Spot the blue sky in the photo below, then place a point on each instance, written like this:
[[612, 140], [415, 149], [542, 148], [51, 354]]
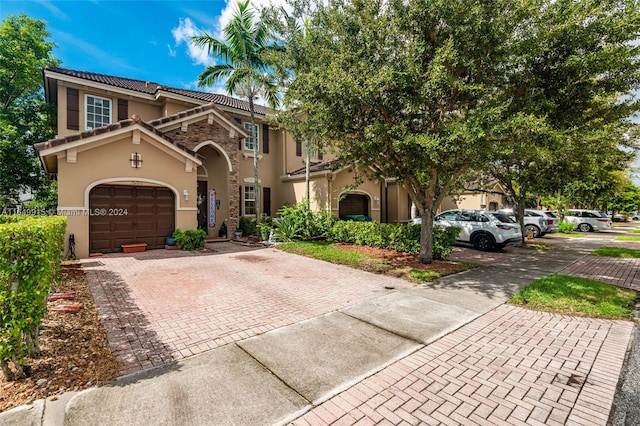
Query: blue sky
[[146, 40]]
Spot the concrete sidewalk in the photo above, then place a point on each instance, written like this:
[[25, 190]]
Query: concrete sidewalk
[[447, 352]]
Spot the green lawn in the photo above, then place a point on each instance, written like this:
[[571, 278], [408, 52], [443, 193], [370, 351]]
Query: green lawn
[[569, 234], [617, 252], [331, 253], [577, 296], [634, 231], [349, 256], [628, 238]]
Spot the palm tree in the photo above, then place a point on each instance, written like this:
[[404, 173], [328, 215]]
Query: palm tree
[[247, 73]]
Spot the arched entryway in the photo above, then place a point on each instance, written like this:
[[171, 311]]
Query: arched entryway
[[353, 204], [213, 188], [128, 214]]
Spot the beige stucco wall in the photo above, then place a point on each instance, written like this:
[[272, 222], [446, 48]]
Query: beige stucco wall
[[146, 110], [269, 165], [109, 163], [473, 201], [369, 188]]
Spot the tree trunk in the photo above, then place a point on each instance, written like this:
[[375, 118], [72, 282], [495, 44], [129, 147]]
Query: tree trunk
[[307, 170], [6, 371], [256, 179], [426, 236], [520, 206]]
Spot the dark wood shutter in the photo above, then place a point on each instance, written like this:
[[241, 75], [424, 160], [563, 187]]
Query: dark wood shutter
[[73, 109], [265, 138], [299, 148], [123, 109], [239, 121], [266, 201], [240, 201], [320, 155]]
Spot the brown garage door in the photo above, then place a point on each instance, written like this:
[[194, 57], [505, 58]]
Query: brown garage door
[[121, 214], [354, 204]]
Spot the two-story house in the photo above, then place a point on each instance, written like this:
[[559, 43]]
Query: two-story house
[[135, 160]]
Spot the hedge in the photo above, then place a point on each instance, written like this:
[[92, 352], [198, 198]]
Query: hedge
[[31, 249], [401, 237]]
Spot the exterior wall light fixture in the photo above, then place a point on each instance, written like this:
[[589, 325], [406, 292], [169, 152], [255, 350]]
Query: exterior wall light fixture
[[135, 159]]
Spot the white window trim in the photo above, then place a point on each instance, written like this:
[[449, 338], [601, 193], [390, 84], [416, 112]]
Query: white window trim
[[247, 127], [86, 112], [245, 199]]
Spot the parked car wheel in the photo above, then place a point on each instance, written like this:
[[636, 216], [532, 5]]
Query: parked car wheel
[[585, 227], [534, 229], [483, 242]]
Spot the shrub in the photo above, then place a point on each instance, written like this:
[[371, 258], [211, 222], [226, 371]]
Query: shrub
[[265, 226], [190, 239], [31, 249], [299, 222], [405, 238], [247, 226], [566, 227]]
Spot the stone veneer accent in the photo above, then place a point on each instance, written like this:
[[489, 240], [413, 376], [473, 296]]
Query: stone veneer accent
[[202, 131]]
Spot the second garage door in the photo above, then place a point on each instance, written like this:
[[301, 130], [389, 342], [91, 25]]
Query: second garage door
[[354, 204], [123, 214]]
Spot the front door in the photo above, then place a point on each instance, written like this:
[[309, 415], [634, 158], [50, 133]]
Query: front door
[[202, 204]]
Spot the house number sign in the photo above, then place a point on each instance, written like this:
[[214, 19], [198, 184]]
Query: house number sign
[[212, 208]]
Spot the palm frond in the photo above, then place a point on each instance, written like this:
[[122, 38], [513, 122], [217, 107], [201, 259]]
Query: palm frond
[[212, 74]]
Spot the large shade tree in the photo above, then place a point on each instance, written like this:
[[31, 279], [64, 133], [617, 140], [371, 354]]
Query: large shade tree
[[24, 52], [243, 68], [566, 99], [404, 89]]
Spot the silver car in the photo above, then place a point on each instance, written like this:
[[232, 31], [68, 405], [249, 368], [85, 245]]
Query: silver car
[[588, 220], [533, 223], [550, 220]]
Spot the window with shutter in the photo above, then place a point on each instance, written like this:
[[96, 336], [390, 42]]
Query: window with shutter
[[73, 109], [239, 200], [265, 138], [123, 109], [266, 201], [299, 148]]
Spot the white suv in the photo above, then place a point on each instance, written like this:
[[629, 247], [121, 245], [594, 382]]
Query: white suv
[[588, 220], [485, 230]]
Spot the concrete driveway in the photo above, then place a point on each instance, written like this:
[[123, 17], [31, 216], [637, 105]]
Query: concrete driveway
[[161, 306]]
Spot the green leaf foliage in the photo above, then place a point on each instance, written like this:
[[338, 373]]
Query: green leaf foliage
[[24, 52], [299, 222], [31, 250], [400, 237], [191, 239]]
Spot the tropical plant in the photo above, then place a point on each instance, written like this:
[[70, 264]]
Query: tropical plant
[[299, 222], [247, 73], [190, 239]]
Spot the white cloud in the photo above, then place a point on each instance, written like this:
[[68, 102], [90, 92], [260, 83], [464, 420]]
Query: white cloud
[[172, 52], [232, 5], [182, 34]]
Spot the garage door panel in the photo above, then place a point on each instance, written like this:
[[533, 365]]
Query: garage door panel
[[354, 204], [149, 218]]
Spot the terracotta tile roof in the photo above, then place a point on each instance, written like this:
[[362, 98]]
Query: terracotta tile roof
[[318, 167], [110, 128], [151, 88], [190, 112]]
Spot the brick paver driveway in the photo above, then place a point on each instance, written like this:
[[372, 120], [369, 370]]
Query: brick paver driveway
[[160, 306]]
